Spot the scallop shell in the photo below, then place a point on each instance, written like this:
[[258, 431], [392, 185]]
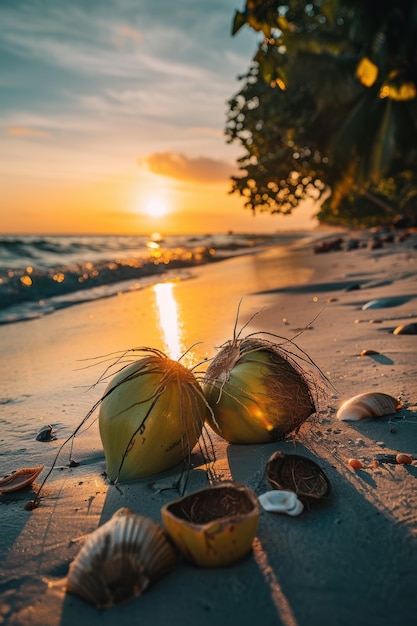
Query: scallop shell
[[19, 479], [364, 405], [120, 560], [281, 502], [215, 526], [297, 473]]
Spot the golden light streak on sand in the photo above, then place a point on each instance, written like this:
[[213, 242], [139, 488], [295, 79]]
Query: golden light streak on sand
[[278, 597], [167, 310]]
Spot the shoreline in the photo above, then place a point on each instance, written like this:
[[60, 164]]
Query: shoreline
[[351, 559], [35, 282], [44, 290]]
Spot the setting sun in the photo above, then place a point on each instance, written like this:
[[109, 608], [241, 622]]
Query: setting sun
[[156, 207]]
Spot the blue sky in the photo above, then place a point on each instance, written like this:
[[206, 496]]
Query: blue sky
[[117, 91]]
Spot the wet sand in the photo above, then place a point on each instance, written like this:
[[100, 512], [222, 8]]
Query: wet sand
[[352, 559]]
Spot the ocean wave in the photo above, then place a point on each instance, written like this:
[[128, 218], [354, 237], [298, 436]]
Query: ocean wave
[[41, 274]]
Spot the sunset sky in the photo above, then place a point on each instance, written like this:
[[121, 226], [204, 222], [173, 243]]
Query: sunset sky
[[113, 114]]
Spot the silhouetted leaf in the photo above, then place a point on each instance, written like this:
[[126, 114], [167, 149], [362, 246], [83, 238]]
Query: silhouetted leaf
[[238, 22], [398, 87], [357, 123], [367, 72], [382, 146]]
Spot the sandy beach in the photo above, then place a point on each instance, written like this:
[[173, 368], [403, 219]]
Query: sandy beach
[[350, 560]]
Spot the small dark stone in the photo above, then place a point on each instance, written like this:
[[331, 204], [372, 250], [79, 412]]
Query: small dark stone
[[30, 505], [45, 434]]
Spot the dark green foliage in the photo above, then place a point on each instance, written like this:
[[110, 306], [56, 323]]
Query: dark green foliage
[[329, 103]]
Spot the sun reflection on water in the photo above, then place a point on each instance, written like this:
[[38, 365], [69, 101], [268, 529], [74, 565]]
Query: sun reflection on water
[[169, 320]]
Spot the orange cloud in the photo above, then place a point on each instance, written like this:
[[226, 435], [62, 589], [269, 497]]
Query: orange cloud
[[126, 33], [197, 169], [25, 131]]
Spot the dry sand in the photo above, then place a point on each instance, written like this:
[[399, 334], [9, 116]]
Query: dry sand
[[351, 560]]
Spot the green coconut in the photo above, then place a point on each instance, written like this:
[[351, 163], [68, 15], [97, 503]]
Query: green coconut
[[256, 392], [150, 418]]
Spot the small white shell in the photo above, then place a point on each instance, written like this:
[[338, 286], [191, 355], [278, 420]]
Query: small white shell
[[120, 559], [278, 501], [364, 405]]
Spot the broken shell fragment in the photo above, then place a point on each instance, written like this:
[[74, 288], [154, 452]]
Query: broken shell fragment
[[281, 502], [120, 560], [215, 526], [364, 405], [19, 479], [297, 473]]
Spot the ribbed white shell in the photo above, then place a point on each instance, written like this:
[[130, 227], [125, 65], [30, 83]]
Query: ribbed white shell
[[364, 405], [120, 559]]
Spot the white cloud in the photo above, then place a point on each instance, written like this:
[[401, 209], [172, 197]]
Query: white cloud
[[121, 77]]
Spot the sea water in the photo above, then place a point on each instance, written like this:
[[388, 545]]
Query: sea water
[[41, 274]]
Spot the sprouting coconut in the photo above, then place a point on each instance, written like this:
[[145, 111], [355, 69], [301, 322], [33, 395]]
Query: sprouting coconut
[[151, 417], [256, 390]]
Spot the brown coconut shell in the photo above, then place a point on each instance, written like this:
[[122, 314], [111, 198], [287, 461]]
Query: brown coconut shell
[[297, 473]]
